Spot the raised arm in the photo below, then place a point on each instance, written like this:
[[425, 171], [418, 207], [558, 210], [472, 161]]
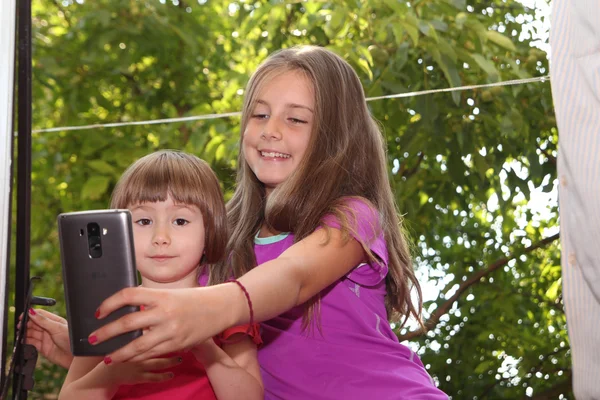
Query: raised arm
[[186, 317], [298, 274]]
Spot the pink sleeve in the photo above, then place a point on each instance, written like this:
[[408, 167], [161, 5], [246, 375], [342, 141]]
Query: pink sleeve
[[365, 226], [253, 331]]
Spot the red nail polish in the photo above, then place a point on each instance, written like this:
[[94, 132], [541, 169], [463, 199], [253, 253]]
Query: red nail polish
[[31, 312], [107, 360], [97, 314], [92, 339]]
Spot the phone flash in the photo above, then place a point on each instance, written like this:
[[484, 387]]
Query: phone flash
[[104, 231]]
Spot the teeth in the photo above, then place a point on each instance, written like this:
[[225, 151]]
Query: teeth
[[279, 155]]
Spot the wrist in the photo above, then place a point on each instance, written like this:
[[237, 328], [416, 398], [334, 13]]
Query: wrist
[[110, 377], [105, 380], [65, 361]]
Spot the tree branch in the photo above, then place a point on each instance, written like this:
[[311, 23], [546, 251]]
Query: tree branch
[[540, 365], [564, 387], [63, 11], [407, 173], [548, 155], [445, 307], [134, 85]]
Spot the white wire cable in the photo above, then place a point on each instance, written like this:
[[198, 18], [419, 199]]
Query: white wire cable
[[468, 87], [149, 122], [236, 114]]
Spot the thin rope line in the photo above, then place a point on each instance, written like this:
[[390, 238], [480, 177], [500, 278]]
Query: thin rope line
[[149, 122], [238, 113], [458, 88]]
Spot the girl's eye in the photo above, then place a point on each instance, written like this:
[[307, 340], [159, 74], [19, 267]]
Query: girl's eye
[[143, 221], [181, 222], [296, 121], [260, 116]]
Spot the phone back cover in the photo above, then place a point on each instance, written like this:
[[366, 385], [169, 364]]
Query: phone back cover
[[89, 281]]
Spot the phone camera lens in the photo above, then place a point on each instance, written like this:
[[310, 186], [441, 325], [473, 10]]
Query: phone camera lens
[[94, 241], [93, 229]]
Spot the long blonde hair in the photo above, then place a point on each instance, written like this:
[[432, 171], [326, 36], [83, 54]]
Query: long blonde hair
[[345, 157]]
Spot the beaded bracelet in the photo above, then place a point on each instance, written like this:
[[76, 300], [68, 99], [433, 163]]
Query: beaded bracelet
[[249, 302]]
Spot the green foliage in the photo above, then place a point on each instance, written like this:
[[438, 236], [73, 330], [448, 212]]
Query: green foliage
[[463, 164]]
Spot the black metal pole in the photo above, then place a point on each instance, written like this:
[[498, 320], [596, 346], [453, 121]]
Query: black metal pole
[[9, 228], [23, 167]]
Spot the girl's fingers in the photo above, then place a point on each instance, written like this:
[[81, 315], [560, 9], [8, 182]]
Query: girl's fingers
[[37, 318], [32, 326], [137, 296], [35, 334], [147, 346], [51, 325], [50, 316], [165, 347], [128, 323]]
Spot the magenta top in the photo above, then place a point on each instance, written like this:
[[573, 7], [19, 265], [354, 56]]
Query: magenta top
[[355, 354]]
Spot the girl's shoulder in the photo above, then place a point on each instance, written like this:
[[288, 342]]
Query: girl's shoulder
[[359, 217], [356, 214]]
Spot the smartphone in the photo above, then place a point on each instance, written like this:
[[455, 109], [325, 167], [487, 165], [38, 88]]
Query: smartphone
[[98, 260]]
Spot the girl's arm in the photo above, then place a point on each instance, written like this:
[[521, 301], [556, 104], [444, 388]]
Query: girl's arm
[[233, 370], [298, 274], [183, 318], [90, 378]]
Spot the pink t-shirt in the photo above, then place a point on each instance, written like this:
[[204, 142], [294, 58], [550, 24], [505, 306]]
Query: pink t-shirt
[[189, 382], [355, 355]]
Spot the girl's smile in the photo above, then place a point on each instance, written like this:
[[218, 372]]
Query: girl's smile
[[272, 155]]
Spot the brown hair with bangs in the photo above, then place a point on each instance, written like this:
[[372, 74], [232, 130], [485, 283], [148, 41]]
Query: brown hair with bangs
[[189, 180], [346, 157]]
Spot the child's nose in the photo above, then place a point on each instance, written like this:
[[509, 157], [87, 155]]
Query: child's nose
[[161, 236]]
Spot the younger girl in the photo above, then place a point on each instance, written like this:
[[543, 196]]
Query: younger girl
[[179, 224]]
